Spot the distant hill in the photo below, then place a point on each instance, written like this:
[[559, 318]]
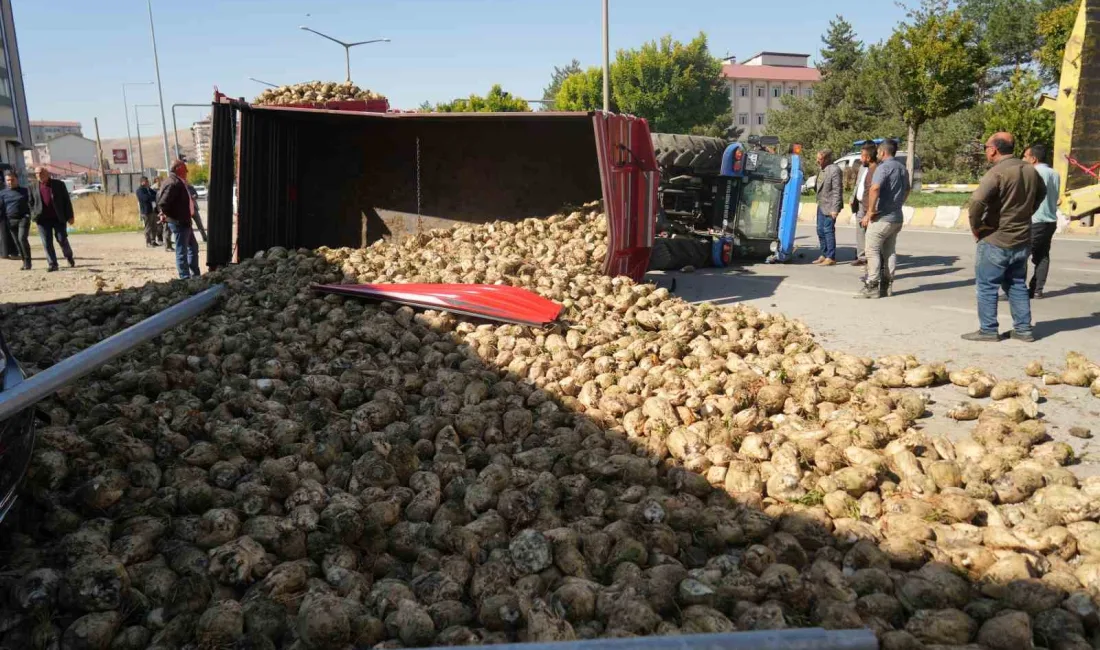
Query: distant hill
[[152, 147]]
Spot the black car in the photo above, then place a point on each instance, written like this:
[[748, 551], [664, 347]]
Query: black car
[[16, 433]]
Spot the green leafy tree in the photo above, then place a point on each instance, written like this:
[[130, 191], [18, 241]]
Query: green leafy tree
[[496, 101], [843, 52], [1013, 109], [950, 149], [550, 93], [1007, 28], [582, 91], [198, 174], [928, 68], [1053, 28], [673, 85]]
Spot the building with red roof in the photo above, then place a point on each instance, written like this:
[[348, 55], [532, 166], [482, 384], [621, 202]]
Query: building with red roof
[[760, 83]]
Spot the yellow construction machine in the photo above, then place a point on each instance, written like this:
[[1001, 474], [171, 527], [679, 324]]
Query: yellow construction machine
[[1077, 116]]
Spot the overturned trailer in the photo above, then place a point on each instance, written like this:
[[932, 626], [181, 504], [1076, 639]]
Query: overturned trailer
[[309, 177]]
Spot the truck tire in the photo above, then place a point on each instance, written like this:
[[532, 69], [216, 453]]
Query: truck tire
[[674, 253], [700, 155]]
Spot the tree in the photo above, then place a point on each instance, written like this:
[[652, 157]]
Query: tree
[[198, 174], [1013, 109], [842, 51], [1053, 28], [550, 93], [674, 86], [496, 101], [1007, 28], [582, 91], [928, 68]]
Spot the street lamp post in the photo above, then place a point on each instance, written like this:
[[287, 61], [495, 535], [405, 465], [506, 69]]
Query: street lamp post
[[160, 92], [126, 113], [606, 62], [137, 124], [347, 46]]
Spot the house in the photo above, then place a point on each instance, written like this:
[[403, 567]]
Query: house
[[44, 130], [760, 84], [68, 148]]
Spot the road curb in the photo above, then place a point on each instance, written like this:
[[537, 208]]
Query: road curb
[[944, 217]]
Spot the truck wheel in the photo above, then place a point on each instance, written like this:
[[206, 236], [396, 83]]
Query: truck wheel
[[700, 154]]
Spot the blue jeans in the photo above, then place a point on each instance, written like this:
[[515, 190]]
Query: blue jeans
[[50, 230], [1002, 268], [826, 234], [187, 251]]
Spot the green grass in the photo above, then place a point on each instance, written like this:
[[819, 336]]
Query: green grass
[[921, 200]]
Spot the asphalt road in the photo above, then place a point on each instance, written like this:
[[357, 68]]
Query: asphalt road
[[933, 304]]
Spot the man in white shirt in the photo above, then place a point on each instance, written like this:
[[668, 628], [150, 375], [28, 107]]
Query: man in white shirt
[[868, 156]]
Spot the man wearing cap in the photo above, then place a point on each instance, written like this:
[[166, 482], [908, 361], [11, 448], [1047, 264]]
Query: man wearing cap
[[175, 203], [52, 212]]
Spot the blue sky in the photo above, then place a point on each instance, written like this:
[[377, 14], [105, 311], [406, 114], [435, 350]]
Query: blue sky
[[76, 54]]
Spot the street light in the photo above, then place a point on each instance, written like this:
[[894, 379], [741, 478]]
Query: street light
[[126, 112], [260, 81], [137, 124], [160, 92], [606, 63], [347, 46]]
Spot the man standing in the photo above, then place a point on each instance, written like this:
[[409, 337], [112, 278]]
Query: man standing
[[1000, 218], [147, 206], [17, 211], [1045, 220], [830, 198], [883, 219], [868, 157], [174, 202], [52, 211]]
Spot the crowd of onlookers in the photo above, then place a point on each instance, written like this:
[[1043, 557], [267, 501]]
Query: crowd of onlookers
[[1012, 215], [169, 214]]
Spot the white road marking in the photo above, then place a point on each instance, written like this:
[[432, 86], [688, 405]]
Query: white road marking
[[957, 310], [1075, 270]]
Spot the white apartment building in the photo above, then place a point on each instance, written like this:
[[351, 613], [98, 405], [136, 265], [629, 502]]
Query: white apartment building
[[201, 132], [46, 130], [760, 84]]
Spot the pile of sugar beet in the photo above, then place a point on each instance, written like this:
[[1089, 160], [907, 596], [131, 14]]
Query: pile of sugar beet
[[294, 470]]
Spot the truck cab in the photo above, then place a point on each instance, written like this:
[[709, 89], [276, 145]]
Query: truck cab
[[741, 204]]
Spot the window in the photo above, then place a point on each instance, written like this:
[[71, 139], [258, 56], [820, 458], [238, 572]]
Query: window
[[759, 91], [776, 91], [743, 119], [744, 91], [792, 91], [760, 119], [809, 92]]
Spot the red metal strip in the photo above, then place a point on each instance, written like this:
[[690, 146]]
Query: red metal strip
[[491, 301]]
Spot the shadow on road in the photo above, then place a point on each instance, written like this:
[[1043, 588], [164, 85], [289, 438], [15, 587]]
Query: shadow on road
[[923, 274], [1080, 287], [725, 287], [1094, 255], [1073, 324], [937, 286], [916, 261]]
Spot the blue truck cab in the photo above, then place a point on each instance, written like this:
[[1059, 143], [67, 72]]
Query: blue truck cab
[[762, 191]]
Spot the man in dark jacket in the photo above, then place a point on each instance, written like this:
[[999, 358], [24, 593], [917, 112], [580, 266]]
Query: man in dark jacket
[[175, 203], [147, 206], [52, 211], [15, 202], [1000, 218], [830, 198]]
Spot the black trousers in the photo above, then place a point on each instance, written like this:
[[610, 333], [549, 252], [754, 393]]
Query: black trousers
[[1041, 235], [20, 230]]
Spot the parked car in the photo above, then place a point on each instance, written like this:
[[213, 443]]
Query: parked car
[[94, 188], [851, 162], [200, 191]]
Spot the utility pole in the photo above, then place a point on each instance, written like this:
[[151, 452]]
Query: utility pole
[[160, 92], [606, 62], [126, 112], [137, 122], [108, 204]]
